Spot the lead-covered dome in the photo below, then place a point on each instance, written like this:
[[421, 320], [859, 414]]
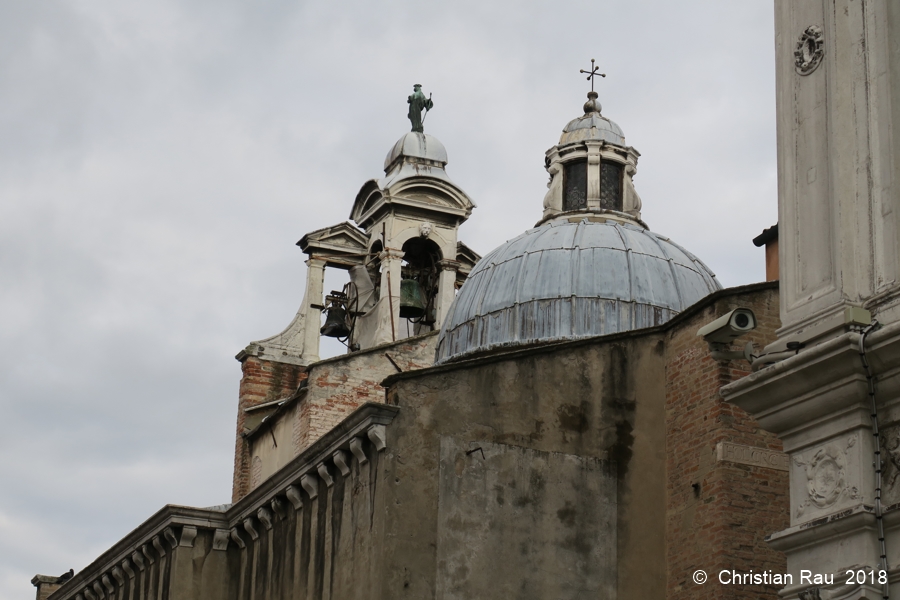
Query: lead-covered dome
[[418, 147], [592, 126], [565, 280]]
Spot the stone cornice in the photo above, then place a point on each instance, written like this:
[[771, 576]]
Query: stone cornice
[[502, 354], [599, 215], [373, 349], [814, 532], [158, 530], [815, 382], [357, 424], [174, 526]]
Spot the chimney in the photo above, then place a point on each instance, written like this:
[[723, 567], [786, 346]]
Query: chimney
[[47, 584], [769, 239]]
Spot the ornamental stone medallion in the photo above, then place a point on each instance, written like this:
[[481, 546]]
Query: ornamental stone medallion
[[809, 50], [826, 482]]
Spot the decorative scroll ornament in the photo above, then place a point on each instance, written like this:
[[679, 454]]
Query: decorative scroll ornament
[[825, 474], [809, 50]]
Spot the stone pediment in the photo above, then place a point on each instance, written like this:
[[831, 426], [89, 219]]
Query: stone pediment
[[344, 242], [411, 187], [466, 257]]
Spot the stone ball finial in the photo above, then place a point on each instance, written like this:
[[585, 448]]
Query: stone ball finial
[[592, 105]]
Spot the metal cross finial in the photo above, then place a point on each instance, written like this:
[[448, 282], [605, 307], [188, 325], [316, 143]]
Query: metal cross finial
[[592, 73]]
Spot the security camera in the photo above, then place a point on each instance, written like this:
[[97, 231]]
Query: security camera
[[727, 328]]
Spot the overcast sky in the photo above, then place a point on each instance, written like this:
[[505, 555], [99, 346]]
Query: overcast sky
[[159, 160]]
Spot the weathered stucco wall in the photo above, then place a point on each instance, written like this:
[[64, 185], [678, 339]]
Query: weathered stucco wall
[[648, 403], [592, 412]]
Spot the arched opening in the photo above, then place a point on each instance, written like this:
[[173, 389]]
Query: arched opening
[[420, 274]]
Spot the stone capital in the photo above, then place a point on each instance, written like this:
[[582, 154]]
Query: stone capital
[[449, 265], [315, 263], [391, 254]]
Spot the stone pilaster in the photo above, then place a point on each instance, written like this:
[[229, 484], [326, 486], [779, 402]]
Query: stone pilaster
[[389, 304], [315, 279], [446, 290], [593, 175], [837, 170]]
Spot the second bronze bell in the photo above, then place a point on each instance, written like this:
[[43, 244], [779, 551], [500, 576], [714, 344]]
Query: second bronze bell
[[412, 300]]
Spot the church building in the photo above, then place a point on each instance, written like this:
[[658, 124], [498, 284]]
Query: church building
[[540, 422], [583, 412]]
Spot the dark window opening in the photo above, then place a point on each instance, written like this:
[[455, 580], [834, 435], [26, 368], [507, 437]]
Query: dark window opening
[[611, 185], [575, 185]]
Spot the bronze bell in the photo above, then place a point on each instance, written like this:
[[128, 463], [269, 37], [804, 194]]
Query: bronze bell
[[412, 300], [335, 323]]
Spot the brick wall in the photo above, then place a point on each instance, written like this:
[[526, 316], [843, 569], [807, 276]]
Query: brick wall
[[261, 381], [335, 388], [339, 386], [718, 513]]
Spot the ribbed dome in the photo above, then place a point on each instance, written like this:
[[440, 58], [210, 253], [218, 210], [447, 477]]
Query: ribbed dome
[[417, 145], [592, 126], [567, 280]]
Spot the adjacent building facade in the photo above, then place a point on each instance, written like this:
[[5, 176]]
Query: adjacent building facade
[[833, 392]]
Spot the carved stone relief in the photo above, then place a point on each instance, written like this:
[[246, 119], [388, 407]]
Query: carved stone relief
[[826, 482], [809, 50], [890, 467], [810, 594]]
